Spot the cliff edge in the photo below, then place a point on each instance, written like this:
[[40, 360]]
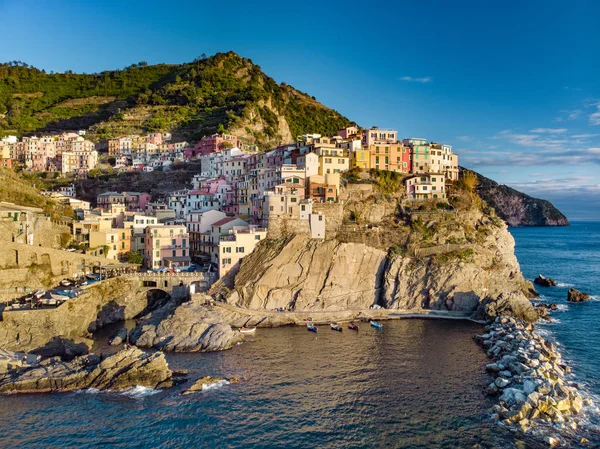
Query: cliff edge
[[382, 250]]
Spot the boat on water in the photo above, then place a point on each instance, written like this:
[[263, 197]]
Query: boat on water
[[336, 327], [376, 324], [247, 330], [311, 327], [353, 326]]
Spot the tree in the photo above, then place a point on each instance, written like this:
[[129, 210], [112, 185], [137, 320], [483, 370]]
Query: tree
[[469, 181], [220, 129], [133, 257]]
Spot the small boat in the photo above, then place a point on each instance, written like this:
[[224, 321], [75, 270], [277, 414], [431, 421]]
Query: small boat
[[376, 324], [66, 283], [336, 327], [247, 330], [353, 326], [311, 327]]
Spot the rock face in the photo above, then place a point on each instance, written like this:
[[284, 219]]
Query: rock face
[[189, 327], [507, 304], [332, 275], [125, 369], [61, 347], [104, 303], [576, 296], [517, 208], [544, 281]]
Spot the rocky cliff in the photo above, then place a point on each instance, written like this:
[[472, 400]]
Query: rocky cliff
[[517, 208], [111, 301], [435, 260]]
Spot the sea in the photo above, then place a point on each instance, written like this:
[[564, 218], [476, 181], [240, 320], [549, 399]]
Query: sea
[[413, 384]]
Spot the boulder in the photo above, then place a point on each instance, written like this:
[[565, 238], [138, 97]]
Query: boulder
[[126, 369], [576, 296], [119, 338], [205, 383], [544, 281], [189, 327], [64, 348], [513, 304]]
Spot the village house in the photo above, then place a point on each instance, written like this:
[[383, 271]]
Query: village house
[[426, 186], [233, 247], [166, 247]]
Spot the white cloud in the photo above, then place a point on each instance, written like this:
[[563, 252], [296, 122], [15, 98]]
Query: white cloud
[[584, 136], [465, 138], [423, 80], [549, 130], [595, 117], [569, 116]]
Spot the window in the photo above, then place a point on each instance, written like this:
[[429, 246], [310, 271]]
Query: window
[[293, 200], [303, 207], [271, 208], [158, 243], [377, 159], [387, 150], [257, 237], [239, 249], [376, 149], [173, 241], [320, 217]]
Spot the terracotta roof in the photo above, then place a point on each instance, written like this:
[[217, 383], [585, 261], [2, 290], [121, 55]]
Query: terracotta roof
[[224, 221]]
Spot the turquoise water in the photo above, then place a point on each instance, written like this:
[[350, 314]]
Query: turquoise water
[[415, 384]]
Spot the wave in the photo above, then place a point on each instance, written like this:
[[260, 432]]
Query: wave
[[564, 284], [594, 298], [215, 386], [88, 391], [139, 392], [561, 307]]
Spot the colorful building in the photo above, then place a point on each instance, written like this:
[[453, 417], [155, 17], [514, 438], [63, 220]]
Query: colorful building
[[167, 247]]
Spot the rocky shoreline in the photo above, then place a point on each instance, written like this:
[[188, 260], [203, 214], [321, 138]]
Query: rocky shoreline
[[126, 369], [531, 385]]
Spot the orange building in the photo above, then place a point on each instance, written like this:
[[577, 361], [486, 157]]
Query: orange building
[[390, 156]]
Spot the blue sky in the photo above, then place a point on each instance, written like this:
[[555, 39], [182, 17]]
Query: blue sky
[[514, 86]]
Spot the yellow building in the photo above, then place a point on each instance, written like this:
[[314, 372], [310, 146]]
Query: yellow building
[[112, 243], [234, 246], [360, 159]]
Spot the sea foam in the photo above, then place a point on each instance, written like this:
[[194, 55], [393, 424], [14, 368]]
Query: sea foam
[[139, 392]]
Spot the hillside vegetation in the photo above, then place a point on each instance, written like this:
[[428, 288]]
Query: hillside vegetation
[[18, 190], [190, 100]]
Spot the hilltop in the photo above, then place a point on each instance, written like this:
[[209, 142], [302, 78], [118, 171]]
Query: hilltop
[[224, 91], [517, 208]]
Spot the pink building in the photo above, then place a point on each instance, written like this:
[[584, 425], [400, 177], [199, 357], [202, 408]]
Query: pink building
[[214, 144], [375, 135], [349, 131], [167, 246]]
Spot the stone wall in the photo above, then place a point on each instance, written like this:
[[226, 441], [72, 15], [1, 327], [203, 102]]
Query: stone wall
[[287, 225], [39, 267], [46, 233]]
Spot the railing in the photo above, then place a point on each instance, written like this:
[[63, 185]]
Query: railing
[[186, 274]]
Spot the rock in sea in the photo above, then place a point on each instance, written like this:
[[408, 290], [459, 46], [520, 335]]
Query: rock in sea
[[576, 296], [544, 281], [126, 369]]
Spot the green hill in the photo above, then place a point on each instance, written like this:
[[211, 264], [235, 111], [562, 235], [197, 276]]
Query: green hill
[[190, 100]]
